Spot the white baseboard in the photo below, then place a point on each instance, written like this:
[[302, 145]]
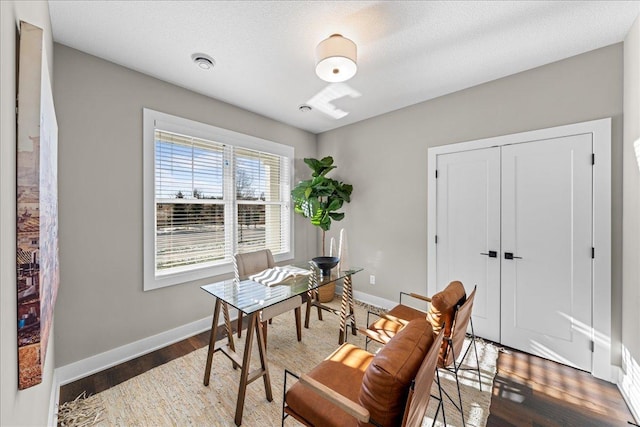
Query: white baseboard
[[374, 300], [85, 367], [629, 383]]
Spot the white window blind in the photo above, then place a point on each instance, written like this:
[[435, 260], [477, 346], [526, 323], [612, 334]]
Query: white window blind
[[213, 193], [262, 215], [189, 178]]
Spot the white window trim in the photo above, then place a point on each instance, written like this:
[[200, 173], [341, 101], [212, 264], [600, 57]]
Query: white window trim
[[153, 119]]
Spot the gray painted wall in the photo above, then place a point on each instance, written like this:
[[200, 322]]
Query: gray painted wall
[[385, 158], [631, 206], [31, 406], [101, 304]]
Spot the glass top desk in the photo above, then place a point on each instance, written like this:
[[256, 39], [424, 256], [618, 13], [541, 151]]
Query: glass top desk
[[251, 298]]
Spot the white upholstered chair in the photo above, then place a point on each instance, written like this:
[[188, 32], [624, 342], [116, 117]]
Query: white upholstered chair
[[245, 265]]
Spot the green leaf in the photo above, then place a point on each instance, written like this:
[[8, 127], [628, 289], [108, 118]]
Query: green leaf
[[317, 218], [312, 208], [313, 163], [336, 216], [326, 170], [299, 191], [344, 191], [334, 205], [325, 222], [327, 161]]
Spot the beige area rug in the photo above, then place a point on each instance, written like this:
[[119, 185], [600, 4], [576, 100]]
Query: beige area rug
[[173, 394]]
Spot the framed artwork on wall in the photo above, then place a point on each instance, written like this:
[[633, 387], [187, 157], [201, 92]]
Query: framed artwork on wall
[[36, 207]]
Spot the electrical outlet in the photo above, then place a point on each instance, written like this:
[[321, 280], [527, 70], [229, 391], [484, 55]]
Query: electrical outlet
[[372, 280]]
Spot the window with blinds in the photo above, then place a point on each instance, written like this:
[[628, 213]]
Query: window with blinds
[[190, 220], [261, 212], [215, 193]]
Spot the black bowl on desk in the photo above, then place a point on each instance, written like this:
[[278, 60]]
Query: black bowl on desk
[[326, 263]]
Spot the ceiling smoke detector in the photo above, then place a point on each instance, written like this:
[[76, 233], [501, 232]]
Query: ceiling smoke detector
[[304, 108], [203, 61]]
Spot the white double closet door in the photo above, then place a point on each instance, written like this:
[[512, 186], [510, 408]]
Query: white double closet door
[[516, 221]]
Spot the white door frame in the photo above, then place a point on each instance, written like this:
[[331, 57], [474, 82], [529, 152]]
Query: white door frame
[[601, 131]]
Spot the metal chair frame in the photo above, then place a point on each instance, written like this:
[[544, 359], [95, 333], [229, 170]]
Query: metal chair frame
[[457, 366]]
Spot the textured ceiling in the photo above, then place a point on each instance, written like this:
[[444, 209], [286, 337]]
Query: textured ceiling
[[408, 51]]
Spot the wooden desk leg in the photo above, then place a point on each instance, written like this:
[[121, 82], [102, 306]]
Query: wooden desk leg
[[349, 285], [316, 292], [346, 304], [212, 342], [254, 328], [229, 329], [263, 327], [298, 315], [313, 298], [244, 374], [262, 351], [308, 310]]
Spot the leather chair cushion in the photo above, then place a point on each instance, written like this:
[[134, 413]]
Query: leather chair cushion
[[442, 307], [342, 371], [388, 328], [386, 382]]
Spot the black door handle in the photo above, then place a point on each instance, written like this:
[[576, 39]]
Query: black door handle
[[491, 254], [509, 255]]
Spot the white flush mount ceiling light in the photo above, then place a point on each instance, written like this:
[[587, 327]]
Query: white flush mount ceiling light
[[336, 59], [203, 61]]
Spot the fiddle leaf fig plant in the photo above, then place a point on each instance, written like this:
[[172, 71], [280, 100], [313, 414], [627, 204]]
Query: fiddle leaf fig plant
[[320, 198]]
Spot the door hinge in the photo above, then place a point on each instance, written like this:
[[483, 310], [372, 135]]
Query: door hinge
[[436, 239], [436, 173], [592, 345], [593, 158], [593, 253]]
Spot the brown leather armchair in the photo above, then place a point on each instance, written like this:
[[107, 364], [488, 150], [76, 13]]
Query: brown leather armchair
[[353, 387], [450, 308]]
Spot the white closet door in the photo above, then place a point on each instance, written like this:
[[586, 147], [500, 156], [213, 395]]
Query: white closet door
[[468, 225], [547, 226]]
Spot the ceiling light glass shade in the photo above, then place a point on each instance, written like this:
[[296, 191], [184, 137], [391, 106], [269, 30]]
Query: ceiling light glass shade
[[336, 59]]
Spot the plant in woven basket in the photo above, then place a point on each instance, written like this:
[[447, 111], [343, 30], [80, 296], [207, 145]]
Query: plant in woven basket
[[320, 199]]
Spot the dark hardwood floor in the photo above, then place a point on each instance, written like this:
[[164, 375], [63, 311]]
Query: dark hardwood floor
[[531, 391], [527, 391], [113, 376]]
